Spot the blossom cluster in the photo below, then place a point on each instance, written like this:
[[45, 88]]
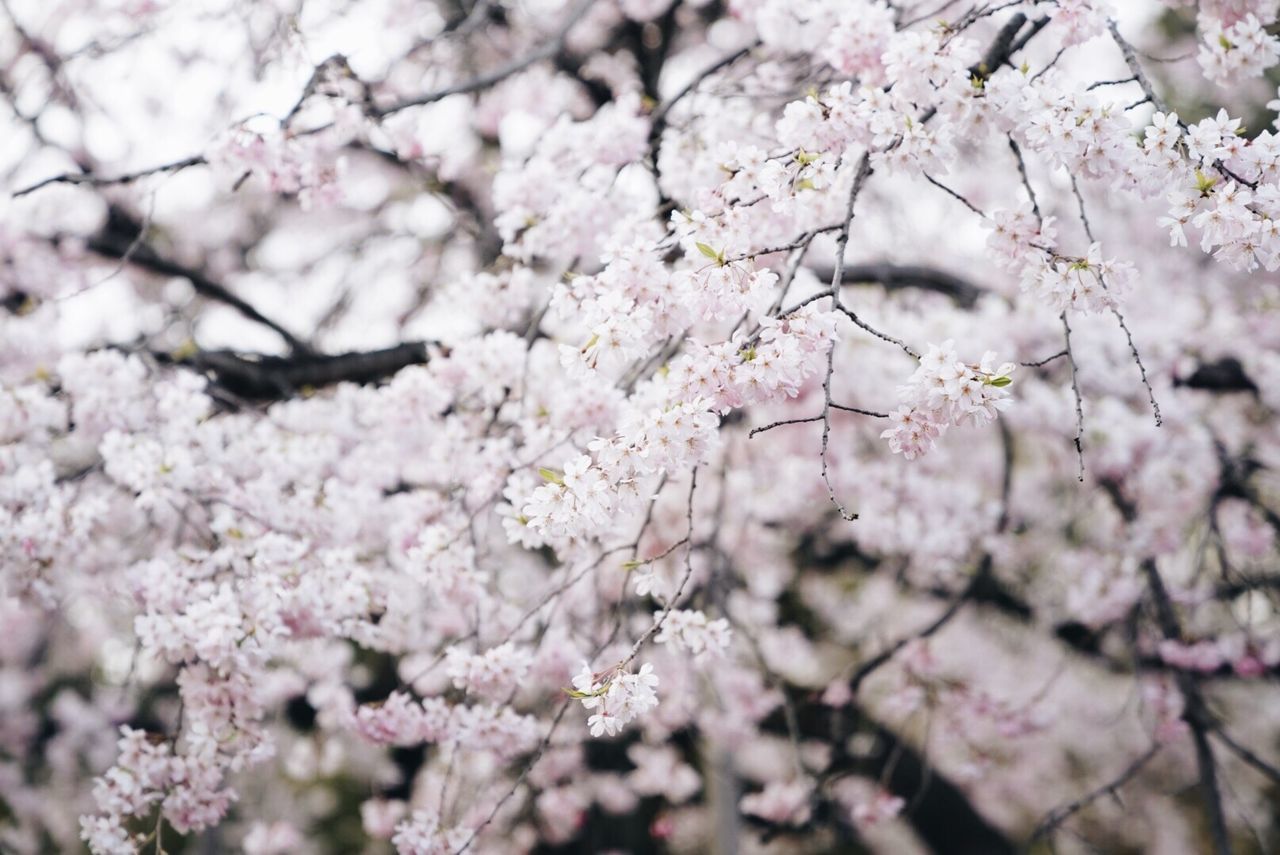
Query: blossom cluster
[[944, 392], [690, 631], [519, 339], [616, 698], [1241, 51]]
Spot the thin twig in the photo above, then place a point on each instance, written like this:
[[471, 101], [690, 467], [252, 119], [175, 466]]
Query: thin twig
[[524, 773], [882, 658], [783, 423], [1135, 66], [1043, 362], [671, 603], [546, 50], [659, 120], [811, 419], [1115, 310], [1248, 755], [861, 174], [872, 413], [108, 180], [1026, 180], [906, 348], [1075, 389], [1056, 818], [954, 195]]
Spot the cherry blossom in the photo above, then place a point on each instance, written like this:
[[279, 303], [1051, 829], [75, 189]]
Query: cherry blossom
[[613, 424]]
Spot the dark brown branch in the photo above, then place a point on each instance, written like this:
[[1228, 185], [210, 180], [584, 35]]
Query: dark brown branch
[[1226, 375], [872, 413], [1139, 74], [118, 240], [812, 419], [897, 276], [1196, 713], [107, 180], [1043, 362], [1006, 44], [954, 195], [335, 67], [267, 378], [883, 336], [1233, 589], [940, 811]]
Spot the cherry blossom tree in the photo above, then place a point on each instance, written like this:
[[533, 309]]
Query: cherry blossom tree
[[493, 426]]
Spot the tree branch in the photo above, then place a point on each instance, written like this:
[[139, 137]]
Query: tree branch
[[1056, 818], [118, 240], [546, 50], [267, 378], [93, 180]]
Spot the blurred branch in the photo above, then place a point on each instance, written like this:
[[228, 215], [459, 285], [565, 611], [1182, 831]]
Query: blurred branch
[[92, 180], [659, 121], [259, 377], [893, 277], [941, 814], [1057, 817], [546, 50], [1196, 712], [118, 239], [1225, 375], [1271, 770]]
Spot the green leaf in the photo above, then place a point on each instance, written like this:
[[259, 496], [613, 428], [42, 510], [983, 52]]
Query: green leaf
[[551, 475], [708, 251], [1001, 382], [186, 350], [1204, 183]]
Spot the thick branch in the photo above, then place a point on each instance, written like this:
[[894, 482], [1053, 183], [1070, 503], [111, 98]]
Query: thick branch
[[893, 277], [1225, 375], [256, 377]]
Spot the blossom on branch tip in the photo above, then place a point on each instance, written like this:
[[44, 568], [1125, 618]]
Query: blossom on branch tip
[[945, 392]]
